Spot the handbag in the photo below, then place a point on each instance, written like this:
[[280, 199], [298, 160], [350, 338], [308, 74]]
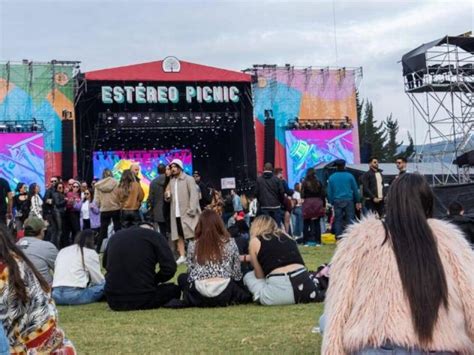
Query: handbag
[[313, 207]]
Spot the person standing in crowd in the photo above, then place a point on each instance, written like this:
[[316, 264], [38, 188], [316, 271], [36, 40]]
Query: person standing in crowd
[[217, 203], [270, 194], [84, 187], [107, 199], [236, 203], [28, 313], [77, 276], [185, 210], [72, 220], [279, 275], [48, 208], [214, 273], [287, 205], [456, 216], [401, 163], [135, 169], [131, 260], [314, 207], [131, 196], [41, 253], [21, 205], [297, 213], [253, 208], [156, 200], [6, 201], [372, 187], [343, 194], [401, 285], [205, 197], [36, 203], [90, 214], [59, 210]]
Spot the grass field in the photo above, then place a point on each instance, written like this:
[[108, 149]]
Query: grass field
[[95, 329]]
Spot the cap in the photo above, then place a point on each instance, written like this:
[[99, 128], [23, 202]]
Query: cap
[[239, 216], [34, 224], [340, 162], [177, 162], [196, 173]]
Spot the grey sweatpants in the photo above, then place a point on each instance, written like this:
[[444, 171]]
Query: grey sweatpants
[[270, 291]]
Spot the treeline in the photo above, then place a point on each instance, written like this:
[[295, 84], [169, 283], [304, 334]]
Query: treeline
[[379, 138]]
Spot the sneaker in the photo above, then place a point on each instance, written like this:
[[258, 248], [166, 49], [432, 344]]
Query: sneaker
[[317, 245], [316, 330], [181, 260], [310, 244]]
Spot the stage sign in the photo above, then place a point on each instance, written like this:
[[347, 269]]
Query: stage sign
[[168, 94], [22, 158], [118, 161], [310, 148], [228, 183]]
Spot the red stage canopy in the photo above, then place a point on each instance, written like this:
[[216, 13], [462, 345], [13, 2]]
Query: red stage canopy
[[153, 71]]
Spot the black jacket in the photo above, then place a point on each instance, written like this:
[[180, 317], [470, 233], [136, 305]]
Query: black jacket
[[466, 225], [130, 260], [269, 190], [369, 184], [156, 198]]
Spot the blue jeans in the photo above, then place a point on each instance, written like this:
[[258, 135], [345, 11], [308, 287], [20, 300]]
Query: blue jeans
[[4, 344], [297, 217], [275, 213], [77, 295], [344, 214]]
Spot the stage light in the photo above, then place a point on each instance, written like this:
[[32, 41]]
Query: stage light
[[146, 118], [121, 118], [134, 118], [3, 128], [18, 127]]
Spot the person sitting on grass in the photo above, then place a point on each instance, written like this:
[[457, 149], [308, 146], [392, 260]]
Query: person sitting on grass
[[401, 285], [131, 281], [214, 275], [27, 313], [41, 253], [77, 277], [280, 276]]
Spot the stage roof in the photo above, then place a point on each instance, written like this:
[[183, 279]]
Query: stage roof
[[153, 71], [415, 60]]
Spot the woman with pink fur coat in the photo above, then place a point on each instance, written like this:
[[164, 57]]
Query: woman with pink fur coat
[[405, 285]]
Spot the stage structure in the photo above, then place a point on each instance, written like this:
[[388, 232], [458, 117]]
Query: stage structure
[[38, 98], [159, 110], [295, 98], [439, 81]]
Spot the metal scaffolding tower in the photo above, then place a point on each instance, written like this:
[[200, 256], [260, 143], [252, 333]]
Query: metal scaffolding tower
[[439, 81]]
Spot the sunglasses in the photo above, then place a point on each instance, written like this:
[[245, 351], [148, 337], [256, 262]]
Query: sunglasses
[[53, 181], [75, 187], [60, 188]]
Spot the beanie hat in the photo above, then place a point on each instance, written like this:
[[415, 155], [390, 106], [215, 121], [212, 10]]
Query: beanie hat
[[177, 162]]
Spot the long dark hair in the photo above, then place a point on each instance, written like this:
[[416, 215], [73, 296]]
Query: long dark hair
[[85, 239], [311, 183], [126, 182], [211, 235], [409, 204], [32, 190], [8, 252]]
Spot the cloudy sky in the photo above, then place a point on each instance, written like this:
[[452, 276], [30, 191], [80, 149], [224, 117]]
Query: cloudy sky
[[237, 34]]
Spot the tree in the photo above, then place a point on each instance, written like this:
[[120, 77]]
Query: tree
[[371, 136], [392, 146]]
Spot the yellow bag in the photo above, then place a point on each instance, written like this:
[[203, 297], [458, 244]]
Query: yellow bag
[[328, 238]]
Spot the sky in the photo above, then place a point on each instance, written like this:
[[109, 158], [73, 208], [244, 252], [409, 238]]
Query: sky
[[237, 34]]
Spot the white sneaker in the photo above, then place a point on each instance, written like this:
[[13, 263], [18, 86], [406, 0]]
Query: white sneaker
[[181, 260]]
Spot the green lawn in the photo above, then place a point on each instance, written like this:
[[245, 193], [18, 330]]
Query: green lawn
[[95, 329]]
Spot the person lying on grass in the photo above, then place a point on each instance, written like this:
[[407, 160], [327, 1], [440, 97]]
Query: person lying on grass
[[28, 314], [280, 276]]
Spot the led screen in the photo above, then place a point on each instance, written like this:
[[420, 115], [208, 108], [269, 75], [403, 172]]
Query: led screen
[[118, 161], [22, 158], [310, 148]]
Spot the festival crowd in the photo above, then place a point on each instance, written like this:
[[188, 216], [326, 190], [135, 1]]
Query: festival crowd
[[400, 280]]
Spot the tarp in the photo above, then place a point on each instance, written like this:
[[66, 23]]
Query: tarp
[[415, 60]]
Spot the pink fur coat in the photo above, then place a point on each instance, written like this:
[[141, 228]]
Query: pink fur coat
[[365, 303]]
